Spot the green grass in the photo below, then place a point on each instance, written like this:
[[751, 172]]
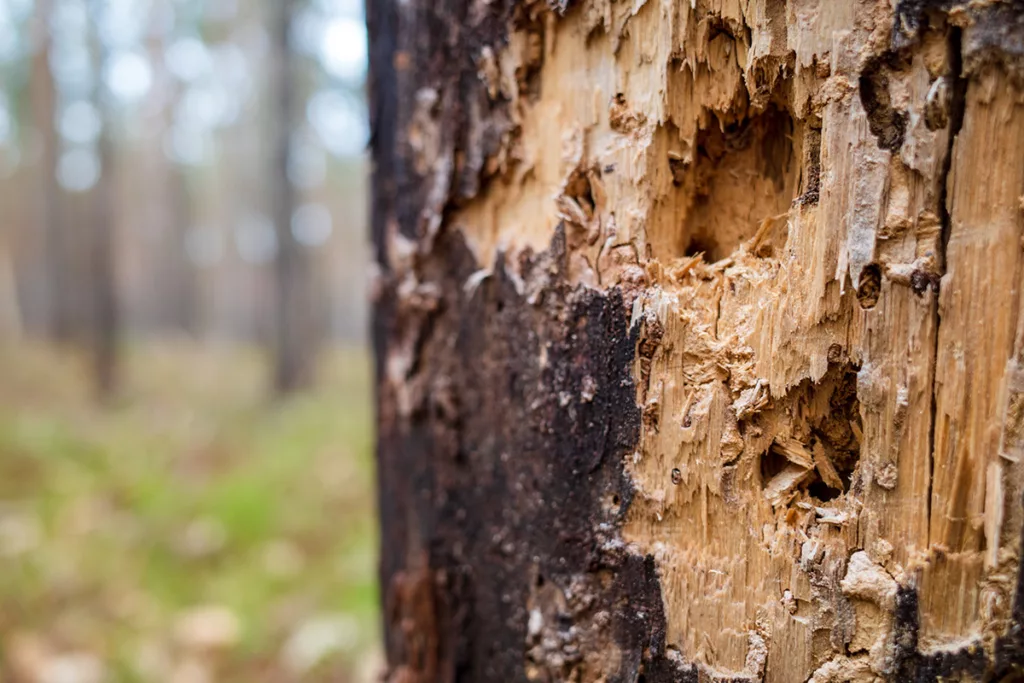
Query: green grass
[[192, 489]]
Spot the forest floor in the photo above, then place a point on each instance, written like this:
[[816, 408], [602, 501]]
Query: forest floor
[[192, 531]]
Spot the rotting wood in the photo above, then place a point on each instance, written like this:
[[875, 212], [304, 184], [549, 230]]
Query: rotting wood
[[699, 338]]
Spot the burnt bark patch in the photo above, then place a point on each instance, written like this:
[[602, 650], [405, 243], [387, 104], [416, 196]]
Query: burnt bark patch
[[501, 557], [430, 52], [1006, 663], [994, 33], [969, 663]]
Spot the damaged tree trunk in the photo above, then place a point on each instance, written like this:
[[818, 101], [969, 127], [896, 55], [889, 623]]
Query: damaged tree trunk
[[699, 334]]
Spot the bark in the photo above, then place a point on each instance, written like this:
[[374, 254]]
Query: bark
[[699, 341], [11, 325], [44, 97], [293, 327], [183, 315], [104, 318], [177, 302]]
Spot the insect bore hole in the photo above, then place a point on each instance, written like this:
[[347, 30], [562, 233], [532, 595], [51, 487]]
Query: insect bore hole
[[870, 286]]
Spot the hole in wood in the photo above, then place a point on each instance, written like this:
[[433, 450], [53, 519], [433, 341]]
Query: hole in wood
[[696, 246], [726, 182], [869, 288], [816, 449], [887, 123]]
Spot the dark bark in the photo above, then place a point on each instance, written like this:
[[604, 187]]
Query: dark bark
[[494, 492]]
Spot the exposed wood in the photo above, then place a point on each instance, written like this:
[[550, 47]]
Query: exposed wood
[[699, 339]]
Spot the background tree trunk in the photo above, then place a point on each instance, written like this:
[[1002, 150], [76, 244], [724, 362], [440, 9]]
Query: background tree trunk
[[293, 333], [104, 318], [178, 306], [700, 352], [48, 204]]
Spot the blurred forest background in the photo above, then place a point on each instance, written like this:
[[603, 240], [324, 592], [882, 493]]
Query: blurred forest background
[[185, 476]]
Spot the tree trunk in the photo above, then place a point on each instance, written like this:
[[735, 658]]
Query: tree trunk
[[181, 273], [48, 219], [104, 318], [177, 275], [700, 352], [293, 313]]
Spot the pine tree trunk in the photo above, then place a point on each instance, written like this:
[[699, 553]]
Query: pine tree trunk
[[104, 314], [700, 353], [293, 333], [48, 219]]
